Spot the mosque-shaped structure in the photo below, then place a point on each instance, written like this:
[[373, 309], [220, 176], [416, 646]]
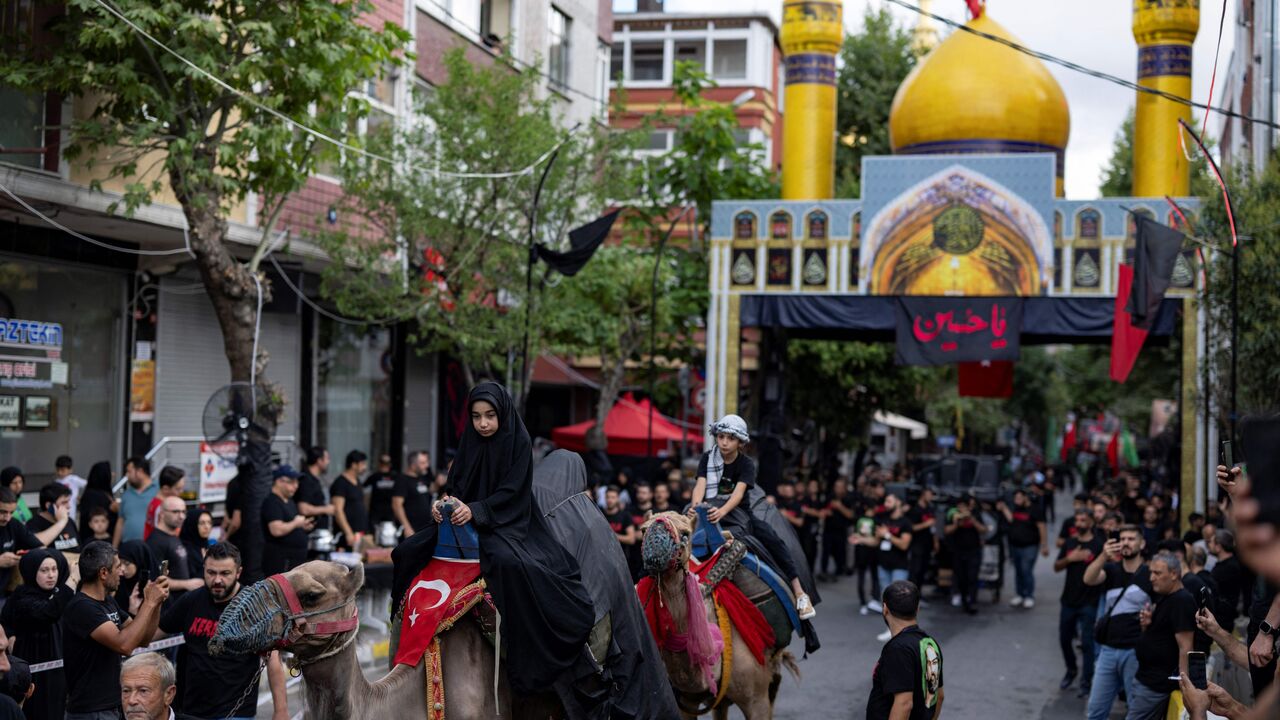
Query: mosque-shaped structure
[[969, 205]]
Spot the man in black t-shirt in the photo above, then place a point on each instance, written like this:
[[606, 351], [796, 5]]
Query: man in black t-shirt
[[641, 504], [835, 530], [195, 616], [892, 539], [14, 536], [1167, 631], [310, 495], [1125, 582], [1079, 601], [95, 633], [166, 546], [619, 519], [1025, 529], [907, 681], [965, 531], [381, 485], [412, 497], [349, 511], [923, 521], [284, 529], [55, 502]]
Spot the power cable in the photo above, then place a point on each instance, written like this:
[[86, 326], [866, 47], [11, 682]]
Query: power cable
[[86, 238], [314, 306], [1046, 57], [249, 99]]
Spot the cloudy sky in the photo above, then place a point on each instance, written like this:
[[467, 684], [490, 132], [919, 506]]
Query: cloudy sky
[[1093, 33]]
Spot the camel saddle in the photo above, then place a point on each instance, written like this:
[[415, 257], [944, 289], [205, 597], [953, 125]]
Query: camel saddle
[[755, 578]]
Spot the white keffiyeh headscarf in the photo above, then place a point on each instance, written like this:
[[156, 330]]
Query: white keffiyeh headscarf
[[728, 425]]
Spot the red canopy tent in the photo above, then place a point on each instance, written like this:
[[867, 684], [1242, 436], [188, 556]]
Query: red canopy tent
[[627, 428]]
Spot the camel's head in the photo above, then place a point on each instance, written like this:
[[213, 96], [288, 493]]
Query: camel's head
[[309, 609], [666, 542]]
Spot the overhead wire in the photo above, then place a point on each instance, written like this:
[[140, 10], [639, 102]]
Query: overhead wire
[[93, 241], [1076, 67], [254, 102]]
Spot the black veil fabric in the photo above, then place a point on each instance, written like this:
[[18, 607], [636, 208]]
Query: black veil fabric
[[766, 512], [546, 611], [640, 689], [136, 552]]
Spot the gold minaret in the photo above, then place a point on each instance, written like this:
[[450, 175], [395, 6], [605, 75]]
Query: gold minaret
[[1165, 31], [812, 32]]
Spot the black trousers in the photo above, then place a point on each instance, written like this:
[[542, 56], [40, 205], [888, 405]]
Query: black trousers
[[918, 558], [777, 549], [835, 546], [965, 566], [864, 564]]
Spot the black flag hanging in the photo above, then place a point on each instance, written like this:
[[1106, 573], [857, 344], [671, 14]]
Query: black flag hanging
[[583, 242], [1155, 253]]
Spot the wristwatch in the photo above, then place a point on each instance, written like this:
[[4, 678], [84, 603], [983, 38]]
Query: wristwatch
[[1265, 628]]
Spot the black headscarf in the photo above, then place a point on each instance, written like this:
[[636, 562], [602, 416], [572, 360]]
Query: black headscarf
[[136, 552], [8, 474], [494, 475], [100, 476], [30, 564], [196, 545]]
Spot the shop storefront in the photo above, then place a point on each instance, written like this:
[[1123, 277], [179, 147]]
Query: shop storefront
[[62, 374], [354, 369]]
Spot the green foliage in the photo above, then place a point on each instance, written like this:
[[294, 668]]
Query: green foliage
[[1117, 176], [466, 239], [299, 58], [1256, 201], [873, 63]]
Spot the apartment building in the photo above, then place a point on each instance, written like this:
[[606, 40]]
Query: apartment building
[[1250, 86], [112, 354]]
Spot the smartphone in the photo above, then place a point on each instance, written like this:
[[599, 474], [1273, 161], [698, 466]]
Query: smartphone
[[1196, 671], [1226, 459], [1260, 441], [144, 577], [1115, 535], [164, 568]]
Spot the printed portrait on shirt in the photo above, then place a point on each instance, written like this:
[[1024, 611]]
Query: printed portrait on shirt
[[931, 662]]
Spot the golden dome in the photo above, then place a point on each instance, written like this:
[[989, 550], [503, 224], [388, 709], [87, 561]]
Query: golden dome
[[974, 95]]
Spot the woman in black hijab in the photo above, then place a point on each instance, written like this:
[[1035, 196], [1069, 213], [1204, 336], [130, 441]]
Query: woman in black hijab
[[536, 584], [97, 493], [195, 537], [30, 617], [139, 563]]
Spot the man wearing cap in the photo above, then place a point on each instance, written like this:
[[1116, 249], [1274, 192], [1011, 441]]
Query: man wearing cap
[[725, 475], [284, 530]]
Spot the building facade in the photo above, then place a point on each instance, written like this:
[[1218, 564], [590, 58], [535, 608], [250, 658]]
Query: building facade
[[1250, 86], [111, 354]]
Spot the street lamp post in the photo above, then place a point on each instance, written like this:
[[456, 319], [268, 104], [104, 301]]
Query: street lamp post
[[653, 323]]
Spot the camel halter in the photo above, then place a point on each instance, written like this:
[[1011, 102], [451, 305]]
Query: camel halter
[[245, 626], [296, 613], [661, 552]]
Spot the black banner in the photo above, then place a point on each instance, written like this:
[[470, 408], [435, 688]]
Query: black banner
[[944, 330]]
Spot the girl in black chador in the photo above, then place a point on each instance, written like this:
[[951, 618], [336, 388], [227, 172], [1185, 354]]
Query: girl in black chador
[[536, 584], [31, 617]]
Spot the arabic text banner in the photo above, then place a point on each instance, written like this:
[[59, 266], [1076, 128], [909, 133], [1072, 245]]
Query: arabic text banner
[[944, 330]]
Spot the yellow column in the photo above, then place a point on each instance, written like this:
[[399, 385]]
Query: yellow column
[[811, 34], [1165, 31]]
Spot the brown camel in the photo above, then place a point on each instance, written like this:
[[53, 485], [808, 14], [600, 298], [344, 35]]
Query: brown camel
[[752, 687], [336, 689]]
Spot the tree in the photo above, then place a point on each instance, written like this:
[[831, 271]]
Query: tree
[[873, 64], [451, 253], [1117, 176], [1256, 204], [160, 122]]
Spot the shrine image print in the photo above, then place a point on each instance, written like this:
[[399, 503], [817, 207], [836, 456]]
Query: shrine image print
[[958, 233]]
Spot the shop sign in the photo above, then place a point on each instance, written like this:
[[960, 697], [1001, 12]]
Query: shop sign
[[30, 333], [216, 471], [32, 374], [142, 391], [10, 411], [30, 354]]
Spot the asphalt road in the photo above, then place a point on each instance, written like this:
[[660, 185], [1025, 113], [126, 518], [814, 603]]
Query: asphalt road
[[1002, 663]]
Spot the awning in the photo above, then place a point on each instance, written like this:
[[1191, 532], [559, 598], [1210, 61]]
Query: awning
[[918, 430]]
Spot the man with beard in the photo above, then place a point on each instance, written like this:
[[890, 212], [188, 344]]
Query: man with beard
[[196, 615], [96, 635], [907, 681], [1079, 601], [1127, 590]]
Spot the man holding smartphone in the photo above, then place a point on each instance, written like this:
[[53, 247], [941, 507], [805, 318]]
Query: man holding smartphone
[[1168, 627], [1126, 586], [1079, 601]]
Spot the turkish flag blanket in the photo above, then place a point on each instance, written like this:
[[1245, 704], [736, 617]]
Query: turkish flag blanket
[[439, 595]]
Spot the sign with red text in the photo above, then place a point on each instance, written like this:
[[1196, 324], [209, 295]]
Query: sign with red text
[[944, 330]]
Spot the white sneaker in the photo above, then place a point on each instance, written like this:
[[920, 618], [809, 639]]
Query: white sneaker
[[804, 608], [1028, 603], [1016, 602], [864, 610], [955, 601], [875, 606], [885, 636]]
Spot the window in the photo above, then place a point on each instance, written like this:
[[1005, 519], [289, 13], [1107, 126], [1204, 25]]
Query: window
[[604, 61], [744, 226], [22, 127], [780, 226], [617, 63], [659, 142], [1089, 221], [647, 61], [558, 26], [694, 51], [730, 60], [818, 225]]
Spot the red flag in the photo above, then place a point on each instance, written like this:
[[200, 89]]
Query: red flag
[[1113, 450], [1126, 340], [429, 600], [988, 378], [1068, 440], [976, 7]]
